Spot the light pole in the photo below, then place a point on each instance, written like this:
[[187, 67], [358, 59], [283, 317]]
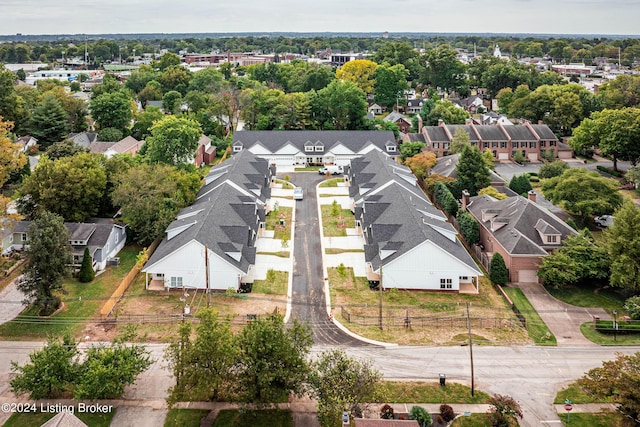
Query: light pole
[[615, 325]]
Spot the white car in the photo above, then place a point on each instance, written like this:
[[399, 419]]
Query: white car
[[604, 220], [297, 193]]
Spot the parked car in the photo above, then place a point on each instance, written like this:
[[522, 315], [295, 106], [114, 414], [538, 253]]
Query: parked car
[[298, 194], [333, 170], [604, 220]]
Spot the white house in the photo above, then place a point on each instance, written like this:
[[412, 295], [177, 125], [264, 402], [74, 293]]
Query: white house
[[290, 148], [218, 230], [408, 242]]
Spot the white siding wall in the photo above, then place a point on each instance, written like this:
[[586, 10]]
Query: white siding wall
[[188, 263], [423, 267]]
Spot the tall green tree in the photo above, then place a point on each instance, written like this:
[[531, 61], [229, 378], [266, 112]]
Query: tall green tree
[[579, 260], [617, 381], [459, 141], [49, 372], [472, 172], [444, 70], [49, 256], [469, 227], [108, 368], [173, 140], [202, 363], [498, 272], [622, 241], [272, 360], [142, 127], [70, 186], [112, 110], [410, 149], [48, 122], [86, 273], [390, 84], [614, 132], [520, 184], [345, 104], [342, 383], [583, 193], [150, 196]]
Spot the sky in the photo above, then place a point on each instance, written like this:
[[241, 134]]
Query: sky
[[615, 17]]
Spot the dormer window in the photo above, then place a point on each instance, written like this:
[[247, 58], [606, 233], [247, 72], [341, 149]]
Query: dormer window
[[237, 148], [308, 148], [552, 238]]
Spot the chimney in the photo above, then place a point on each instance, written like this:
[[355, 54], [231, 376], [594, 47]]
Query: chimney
[[465, 199], [420, 125], [440, 122], [532, 196]]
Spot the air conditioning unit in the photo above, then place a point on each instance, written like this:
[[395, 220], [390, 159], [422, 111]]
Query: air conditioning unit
[[113, 261]]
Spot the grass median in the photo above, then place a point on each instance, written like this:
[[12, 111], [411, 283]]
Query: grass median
[[536, 328]]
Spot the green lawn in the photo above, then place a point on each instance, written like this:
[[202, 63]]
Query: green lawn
[[82, 303], [576, 394], [600, 338], [336, 225], [185, 417], [336, 251], [25, 419], [272, 222], [474, 420], [591, 420], [308, 169], [423, 392], [285, 184], [590, 297], [266, 418], [276, 283], [536, 328], [333, 182]]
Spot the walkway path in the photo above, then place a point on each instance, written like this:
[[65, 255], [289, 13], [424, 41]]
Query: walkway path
[[563, 319], [11, 302]]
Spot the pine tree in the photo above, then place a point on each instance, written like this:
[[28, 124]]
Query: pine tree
[[498, 272], [472, 171], [86, 273], [49, 121]]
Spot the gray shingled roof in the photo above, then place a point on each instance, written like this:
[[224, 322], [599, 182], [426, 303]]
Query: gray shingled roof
[[401, 220], [437, 134], [224, 217], [446, 165], [519, 133], [544, 132], [491, 133], [376, 169], [415, 137], [519, 236], [472, 135], [274, 140]]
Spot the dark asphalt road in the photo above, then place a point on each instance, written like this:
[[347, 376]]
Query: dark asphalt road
[[308, 301]]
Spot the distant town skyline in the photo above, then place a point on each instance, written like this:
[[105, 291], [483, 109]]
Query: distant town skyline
[[615, 17]]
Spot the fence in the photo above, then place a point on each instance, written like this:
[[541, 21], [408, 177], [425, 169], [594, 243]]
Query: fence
[[167, 318], [398, 321], [107, 308]]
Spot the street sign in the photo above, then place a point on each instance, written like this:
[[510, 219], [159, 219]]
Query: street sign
[[568, 407]]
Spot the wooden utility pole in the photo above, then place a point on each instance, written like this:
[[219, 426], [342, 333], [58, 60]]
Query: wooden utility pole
[[380, 299], [206, 274], [470, 350]]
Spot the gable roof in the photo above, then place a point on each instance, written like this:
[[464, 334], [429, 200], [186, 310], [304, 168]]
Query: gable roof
[[125, 145], [226, 213], [521, 223], [394, 116], [83, 139], [396, 213], [354, 140]]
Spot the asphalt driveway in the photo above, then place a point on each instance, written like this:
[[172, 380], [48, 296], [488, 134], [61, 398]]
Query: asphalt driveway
[[11, 302]]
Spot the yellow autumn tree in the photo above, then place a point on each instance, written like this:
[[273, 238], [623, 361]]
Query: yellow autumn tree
[[11, 160], [360, 72]]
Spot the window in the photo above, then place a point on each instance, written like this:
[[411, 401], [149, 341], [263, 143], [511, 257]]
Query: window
[[543, 144], [24, 237], [436, 145], [446, 284], [445, 145], [391, 148], [486, 144], [319, 148], [552, 239], [552, 143], [514, 144], [176, 282], [532, 144], [494, 144], [308, 148], [117, 237], [503, 144], [237, 148], [494, 153]]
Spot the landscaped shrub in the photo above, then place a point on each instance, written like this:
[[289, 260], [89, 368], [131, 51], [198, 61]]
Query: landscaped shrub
[[632, 305], [468, 227], [498, 272], [86, 273], [447, 413], [610, 171], [421, 415], [386, 412]]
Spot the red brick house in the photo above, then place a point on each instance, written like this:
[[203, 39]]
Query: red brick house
[[519, 229]]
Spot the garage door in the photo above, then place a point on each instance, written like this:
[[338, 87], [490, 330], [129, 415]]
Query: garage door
[[527, 276]]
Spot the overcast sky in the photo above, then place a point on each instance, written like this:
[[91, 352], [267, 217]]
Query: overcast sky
[[203, 16]]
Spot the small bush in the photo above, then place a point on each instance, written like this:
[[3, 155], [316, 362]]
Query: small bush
[[386, 412], [632, 305], [421, 415], [447, 413], [610, 171]]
